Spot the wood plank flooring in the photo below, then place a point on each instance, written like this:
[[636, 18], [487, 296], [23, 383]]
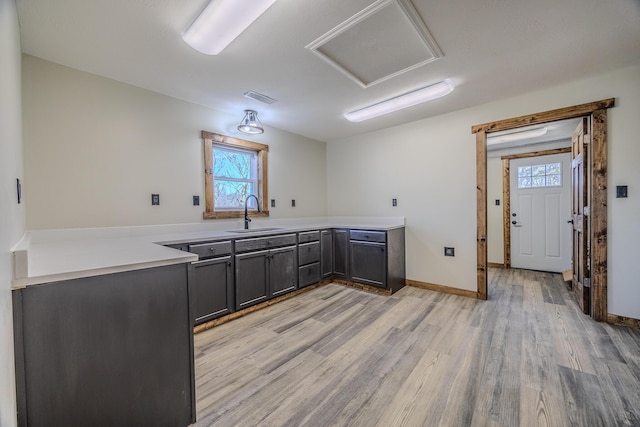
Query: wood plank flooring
[[338, 356]]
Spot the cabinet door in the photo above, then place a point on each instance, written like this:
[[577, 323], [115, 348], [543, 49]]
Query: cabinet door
[[252, 286], [326, 253], [283, 270], [368, 263], [211, 288], [340, 252]]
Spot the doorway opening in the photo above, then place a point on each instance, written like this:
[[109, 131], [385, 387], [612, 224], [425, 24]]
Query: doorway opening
[[596, 187]]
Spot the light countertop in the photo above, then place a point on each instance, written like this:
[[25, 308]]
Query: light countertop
[[45, 256]]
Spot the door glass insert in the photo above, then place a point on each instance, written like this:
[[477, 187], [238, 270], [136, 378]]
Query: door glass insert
[[546, 175]]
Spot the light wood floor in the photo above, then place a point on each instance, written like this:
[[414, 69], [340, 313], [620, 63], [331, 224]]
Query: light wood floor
[[338, 356]]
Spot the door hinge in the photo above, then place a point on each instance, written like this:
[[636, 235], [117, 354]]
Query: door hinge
[[586, 211]]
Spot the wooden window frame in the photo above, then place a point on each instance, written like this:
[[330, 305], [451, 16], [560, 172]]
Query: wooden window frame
[[210, 139]]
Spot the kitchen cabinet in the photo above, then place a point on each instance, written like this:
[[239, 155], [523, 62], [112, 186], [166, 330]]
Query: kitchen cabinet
[[377, 258], [309, 258], [252, 272], [211, 281], [368, 257], [340, 253], [283, 265], [326, 254], [266, 267], [115, 349]]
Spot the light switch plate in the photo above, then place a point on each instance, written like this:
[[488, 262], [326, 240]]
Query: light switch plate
[[155, 199], [196, 200], [449, 251], [621, 191]]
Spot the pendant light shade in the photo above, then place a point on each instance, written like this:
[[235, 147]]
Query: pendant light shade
[[250, 123]]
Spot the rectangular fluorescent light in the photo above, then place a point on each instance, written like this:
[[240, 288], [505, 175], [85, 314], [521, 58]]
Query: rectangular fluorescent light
[[409, 99], [221, 22], [516, 136]]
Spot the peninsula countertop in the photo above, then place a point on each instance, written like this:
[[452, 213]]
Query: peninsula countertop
[[45, 256]]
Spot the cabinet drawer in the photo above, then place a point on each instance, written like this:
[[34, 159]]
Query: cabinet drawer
[[308, 253], [369, 236], [244, 245], [308, 236], [211, 249], [309, 274]]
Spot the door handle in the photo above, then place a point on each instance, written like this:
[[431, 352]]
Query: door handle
[[570, 221], [515, 223]]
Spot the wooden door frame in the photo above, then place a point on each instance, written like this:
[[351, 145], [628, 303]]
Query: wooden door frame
[[506, 194], [597, 111]]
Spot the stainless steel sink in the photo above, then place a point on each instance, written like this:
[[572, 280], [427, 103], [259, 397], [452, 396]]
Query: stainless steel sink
[[255, 230]]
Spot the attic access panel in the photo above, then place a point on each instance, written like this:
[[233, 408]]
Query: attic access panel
[[384, 40]]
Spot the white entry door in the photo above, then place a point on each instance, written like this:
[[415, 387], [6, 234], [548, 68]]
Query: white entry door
[[541, 212]]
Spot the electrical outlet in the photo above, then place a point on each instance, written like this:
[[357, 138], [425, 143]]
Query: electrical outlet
[[155, 199], [394, 202], [497, 202], [273, 203], [196, 200], [449, 251], [293, 203]]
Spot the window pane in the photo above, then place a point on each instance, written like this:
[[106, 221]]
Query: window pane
[[232, 164], [524, 182], [537, 170], [553, 169], [538, 181], [232, 194], [524, 171], [553, 180]]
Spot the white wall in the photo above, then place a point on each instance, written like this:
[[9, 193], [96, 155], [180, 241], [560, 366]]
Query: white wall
[[11, 213], [95, 150], [430, 166], [495, 232]]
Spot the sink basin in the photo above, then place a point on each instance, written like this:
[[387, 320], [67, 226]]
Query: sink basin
[[255, 230]]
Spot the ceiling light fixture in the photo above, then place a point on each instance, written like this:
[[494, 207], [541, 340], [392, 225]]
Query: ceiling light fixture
[[516, 136], [221, 22], [250, 123], [409, 99]]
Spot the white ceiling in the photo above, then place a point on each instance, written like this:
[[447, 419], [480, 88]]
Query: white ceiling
[[492, 49]]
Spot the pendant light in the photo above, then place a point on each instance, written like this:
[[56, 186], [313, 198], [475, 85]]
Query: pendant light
[[250, 123]]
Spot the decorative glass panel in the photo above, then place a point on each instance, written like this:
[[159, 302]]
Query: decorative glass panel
[[538, 181], [537, 170], [553, 180], [524, 171], [553, 169], [524, 182], [546, 175]]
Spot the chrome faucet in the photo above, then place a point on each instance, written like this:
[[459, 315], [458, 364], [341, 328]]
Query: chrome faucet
[[247, 220]]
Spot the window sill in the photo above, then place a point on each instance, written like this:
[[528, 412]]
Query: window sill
[[234, 214]]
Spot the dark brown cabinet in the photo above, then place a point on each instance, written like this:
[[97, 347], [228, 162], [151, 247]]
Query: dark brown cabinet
[[266, 269], [341, 253], [110, 350], [326, 254], [252, 284], [211, 281], [211, 287], [377, 258], [309, 258]]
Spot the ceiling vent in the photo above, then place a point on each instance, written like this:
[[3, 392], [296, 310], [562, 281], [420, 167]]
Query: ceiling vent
[[259, 97], [384, 40]]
